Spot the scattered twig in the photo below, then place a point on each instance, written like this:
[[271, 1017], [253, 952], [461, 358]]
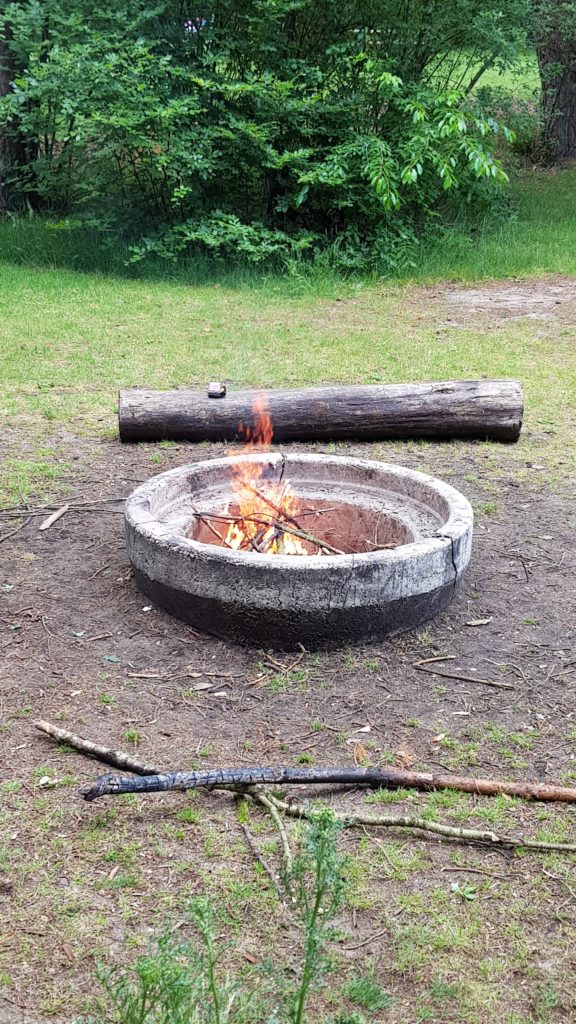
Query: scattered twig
[[465, 679], [428, 661], [365, 942], [54, 517], [13, 533], [97, 573], [116, 758], [250, 842]]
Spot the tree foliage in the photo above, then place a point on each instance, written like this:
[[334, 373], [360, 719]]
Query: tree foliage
[[252, 128]]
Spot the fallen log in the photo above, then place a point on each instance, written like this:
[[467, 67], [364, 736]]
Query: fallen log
[[391, 778], [477, 409]]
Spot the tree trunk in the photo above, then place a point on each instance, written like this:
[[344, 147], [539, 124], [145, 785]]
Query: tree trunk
[[17, 153], [7, 154], [483, 409], [556, 53]]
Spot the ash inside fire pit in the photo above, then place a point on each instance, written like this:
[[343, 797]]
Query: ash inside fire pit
[[349, 528], [380, 548]]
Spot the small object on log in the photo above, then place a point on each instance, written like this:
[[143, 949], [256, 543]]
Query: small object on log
[[481, 409], [116, 758], [216, 389], [391, 778], [54, 517]]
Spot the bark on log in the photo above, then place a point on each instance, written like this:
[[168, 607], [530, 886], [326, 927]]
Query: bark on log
[[392, 778], [481, 409]]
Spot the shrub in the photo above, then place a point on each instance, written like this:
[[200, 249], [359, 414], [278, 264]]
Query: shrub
[[260, 132]]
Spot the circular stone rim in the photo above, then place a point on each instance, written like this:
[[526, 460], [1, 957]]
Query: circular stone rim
[[460, 520]]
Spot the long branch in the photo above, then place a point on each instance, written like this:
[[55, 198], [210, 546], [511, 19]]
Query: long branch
[[297, 810], [391, 778], [423, 825]]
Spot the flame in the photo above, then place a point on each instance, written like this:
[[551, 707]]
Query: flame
[[261, 503]]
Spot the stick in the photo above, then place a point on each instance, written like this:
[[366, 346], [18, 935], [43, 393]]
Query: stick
[[251, 844], [275, 524], [423, 825], [271, 808], [294, 810], [54, 517], [465, 679], [117, 758], [297, 532], [17, 530], [392, 778]]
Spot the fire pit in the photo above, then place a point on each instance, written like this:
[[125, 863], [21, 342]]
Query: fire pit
[[283, 550]]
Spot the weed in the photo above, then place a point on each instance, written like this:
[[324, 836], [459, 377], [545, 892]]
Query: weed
[[181, 982], [132, 736]]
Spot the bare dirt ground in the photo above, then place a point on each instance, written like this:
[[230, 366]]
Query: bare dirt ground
[[454, 933]]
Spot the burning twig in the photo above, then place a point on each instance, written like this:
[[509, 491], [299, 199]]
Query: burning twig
[[297, 532], [271, 523]]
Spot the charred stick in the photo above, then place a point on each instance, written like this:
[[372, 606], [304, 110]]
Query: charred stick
[[392, 778]]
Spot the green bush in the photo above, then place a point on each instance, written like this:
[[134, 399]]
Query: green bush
[[523, 116], [260, 131]]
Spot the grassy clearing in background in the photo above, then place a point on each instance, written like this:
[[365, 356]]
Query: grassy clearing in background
[[538, 237], [69, 339]]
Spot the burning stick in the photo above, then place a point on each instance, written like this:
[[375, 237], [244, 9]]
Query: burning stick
[[273, 524]]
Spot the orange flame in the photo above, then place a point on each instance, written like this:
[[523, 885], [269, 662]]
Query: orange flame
[[261, 504]]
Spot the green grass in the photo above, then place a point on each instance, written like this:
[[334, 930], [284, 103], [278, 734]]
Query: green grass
[[69, 340], [537, 238]]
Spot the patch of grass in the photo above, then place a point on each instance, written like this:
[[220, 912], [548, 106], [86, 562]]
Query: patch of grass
[[537, 239], [133, 736], [365, 992]]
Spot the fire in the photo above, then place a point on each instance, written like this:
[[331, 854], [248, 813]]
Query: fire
[[262, 506]]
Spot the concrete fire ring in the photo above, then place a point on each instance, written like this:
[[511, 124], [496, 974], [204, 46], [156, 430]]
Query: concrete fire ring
[[281, 600]]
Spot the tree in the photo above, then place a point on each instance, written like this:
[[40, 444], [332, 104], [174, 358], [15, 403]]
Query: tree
[[8, 147], [254, 128], [555, 40]]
